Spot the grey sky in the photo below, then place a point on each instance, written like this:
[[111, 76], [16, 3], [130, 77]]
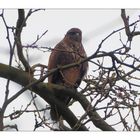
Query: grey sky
[[95, 24]]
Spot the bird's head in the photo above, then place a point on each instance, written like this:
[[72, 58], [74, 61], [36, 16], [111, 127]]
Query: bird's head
[[74, 34]]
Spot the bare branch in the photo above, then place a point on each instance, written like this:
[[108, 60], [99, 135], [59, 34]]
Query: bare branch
[[21, 22], [39, 88]]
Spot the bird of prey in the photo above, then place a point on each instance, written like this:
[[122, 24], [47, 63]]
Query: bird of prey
[[69, 50]]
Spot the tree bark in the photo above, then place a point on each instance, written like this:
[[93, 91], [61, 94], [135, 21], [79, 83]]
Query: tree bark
[[47, 92]]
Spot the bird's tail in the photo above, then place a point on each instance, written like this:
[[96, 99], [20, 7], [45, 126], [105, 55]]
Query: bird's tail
[[55, 115], [54, 112]]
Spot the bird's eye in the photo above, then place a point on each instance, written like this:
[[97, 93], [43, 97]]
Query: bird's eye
[[78, 34], [74, 33]]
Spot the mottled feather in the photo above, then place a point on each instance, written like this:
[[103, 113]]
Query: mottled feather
[[69, 50]]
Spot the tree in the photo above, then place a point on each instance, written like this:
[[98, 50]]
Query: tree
[[110, 92]]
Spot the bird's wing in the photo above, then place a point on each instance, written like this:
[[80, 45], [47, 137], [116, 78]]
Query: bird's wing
[[61, 56]]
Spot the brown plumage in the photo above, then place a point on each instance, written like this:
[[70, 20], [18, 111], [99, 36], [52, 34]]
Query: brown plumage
[[69, 50]]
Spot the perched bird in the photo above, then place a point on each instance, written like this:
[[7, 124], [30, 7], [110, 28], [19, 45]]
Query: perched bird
[[69, 50]]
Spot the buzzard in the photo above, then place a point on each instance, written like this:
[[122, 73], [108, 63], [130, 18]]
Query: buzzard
[[69, 50]]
